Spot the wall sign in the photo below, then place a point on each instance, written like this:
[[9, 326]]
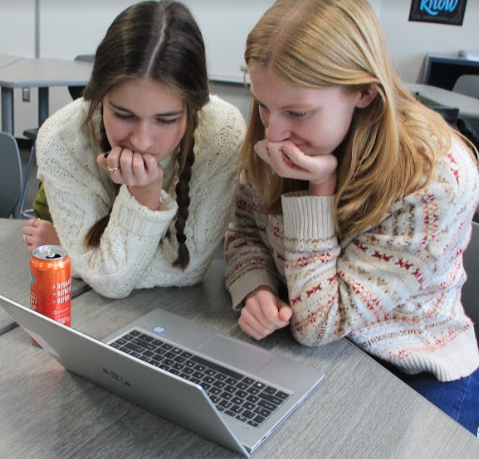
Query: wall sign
[[449, 12]]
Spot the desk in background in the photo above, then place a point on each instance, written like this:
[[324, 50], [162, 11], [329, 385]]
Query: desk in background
[[41, 74], [468, 106], [443, 71], [359, 410], [6, 59], [15, 274]]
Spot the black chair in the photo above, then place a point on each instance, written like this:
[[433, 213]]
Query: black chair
[[10, 176], [31, 134]]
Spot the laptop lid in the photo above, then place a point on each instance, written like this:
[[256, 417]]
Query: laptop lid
[[170, 396]]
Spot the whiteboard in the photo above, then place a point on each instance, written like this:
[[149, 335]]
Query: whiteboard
[[71, 28]]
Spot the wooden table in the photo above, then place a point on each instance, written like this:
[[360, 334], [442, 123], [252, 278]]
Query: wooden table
[[360, 410], [39, 73], [15, 274]]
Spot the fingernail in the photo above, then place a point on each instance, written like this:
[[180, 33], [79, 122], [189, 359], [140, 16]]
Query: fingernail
[[106, 154]]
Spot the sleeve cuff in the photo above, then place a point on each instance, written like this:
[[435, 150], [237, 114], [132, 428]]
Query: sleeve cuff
[[308, 217], [249, 282], [138, 219]]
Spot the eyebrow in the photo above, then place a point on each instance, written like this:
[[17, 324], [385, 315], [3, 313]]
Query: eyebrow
[[172, 113], [291, 107]]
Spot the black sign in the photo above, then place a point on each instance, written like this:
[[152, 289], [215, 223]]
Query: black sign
[[449, 12]]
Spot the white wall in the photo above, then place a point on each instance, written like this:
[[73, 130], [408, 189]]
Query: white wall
[[17, 37], [17, 30], [69, 28]]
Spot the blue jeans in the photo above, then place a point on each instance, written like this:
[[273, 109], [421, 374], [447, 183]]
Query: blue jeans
[[459, 399]]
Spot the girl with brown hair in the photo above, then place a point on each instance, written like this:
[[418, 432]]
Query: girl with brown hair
[[140, 173]]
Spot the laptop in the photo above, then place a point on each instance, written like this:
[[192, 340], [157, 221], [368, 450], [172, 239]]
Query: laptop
[[224, 389]]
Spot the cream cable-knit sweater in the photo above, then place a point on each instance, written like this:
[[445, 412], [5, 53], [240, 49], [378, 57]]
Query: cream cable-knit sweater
[[136, 249], [395, 290]]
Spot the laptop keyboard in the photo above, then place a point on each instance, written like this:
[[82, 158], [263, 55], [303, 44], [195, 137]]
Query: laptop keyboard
[[233, 393]]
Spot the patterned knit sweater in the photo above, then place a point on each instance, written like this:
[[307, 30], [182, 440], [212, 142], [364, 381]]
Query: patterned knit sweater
[[394, 290], [138, 246]]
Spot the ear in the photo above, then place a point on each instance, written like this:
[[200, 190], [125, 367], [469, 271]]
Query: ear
[[366, 96]]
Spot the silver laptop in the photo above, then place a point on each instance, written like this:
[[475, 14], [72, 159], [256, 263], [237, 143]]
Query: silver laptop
[[226, 390]]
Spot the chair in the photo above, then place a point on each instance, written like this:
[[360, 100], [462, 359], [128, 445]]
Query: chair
[[10, 175], [470, 290], [467, 85], [31, 134], [77, 91]]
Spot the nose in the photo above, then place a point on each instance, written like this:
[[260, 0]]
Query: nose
[[141, 137], [276, 128]]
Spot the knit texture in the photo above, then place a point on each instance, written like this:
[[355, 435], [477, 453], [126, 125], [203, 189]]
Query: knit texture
[[139, 246], [394, 290]]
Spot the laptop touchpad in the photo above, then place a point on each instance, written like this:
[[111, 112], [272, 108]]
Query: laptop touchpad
[[235, 353]]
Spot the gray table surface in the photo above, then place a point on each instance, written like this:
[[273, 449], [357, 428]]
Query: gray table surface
[[468, 106], [7, 59], [39, 73], [360, 410], [15, 274]]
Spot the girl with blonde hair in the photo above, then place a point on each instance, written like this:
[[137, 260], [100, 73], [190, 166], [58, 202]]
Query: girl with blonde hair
[[358, 199]]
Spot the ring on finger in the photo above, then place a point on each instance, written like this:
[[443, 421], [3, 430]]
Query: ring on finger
[[25, 239], [113, 169], [34, 220]]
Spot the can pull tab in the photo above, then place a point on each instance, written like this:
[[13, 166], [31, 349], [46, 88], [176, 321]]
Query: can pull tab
[[49, 253]]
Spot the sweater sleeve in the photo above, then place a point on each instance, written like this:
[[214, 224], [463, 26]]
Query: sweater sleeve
[[249, 261], [399, 268]]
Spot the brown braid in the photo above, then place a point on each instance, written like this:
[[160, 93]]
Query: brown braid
[[92, 238], [182, 191]]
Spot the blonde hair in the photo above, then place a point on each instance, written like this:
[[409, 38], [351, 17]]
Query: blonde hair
[[392, 144]]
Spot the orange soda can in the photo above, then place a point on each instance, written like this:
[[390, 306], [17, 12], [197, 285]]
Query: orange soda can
[[51, 286]]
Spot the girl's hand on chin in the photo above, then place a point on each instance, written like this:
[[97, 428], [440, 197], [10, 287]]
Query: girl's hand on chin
[[131, 168], [288, 161], [140, 172]]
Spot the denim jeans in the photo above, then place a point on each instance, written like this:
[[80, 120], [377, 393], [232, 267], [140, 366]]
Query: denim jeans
[[459, 399]]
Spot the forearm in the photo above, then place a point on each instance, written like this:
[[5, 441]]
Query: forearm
[[250, 263], [312, 251], [127, 246]]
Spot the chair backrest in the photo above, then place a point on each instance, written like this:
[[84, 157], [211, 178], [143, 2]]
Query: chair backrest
[[470, 291], [467, 85], [11, 181], [77, 91]]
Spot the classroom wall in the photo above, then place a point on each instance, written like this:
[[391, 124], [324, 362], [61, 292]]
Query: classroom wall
[[70, 28], [224, 24], [409, 41]]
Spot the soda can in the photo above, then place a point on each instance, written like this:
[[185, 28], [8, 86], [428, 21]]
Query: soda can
[[51, 285]]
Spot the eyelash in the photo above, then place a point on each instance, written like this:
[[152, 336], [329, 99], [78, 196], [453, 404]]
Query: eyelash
[[292, 114], [130, 117], [298, 114]]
